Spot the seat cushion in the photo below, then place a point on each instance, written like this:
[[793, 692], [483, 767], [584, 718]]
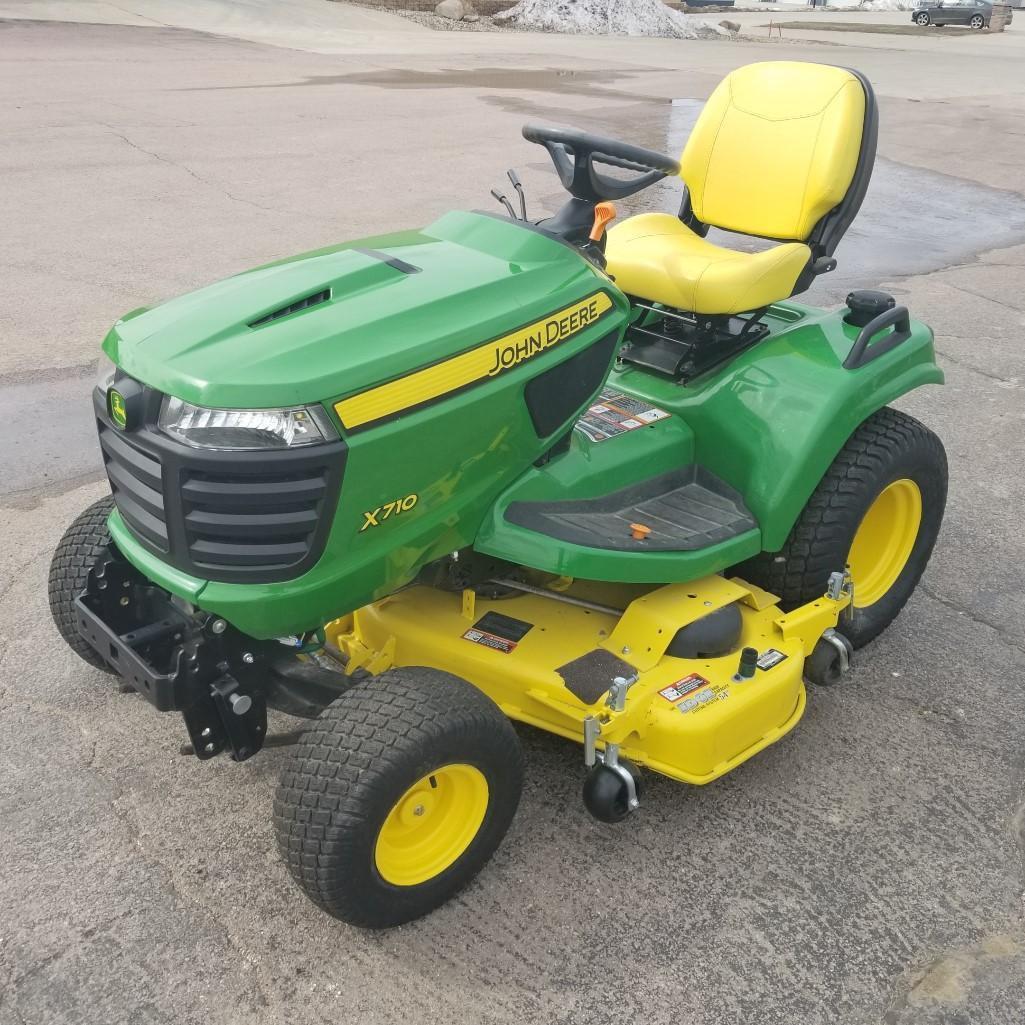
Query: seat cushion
[[658, 258]]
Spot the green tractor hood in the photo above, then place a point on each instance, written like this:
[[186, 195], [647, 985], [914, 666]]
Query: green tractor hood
[[458, 356], [342, 319]]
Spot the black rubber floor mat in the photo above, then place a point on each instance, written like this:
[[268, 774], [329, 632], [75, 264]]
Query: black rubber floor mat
[[687, 509], [591, 675]]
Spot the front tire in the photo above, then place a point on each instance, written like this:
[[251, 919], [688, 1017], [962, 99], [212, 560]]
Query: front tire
[[77, 552], [879, 509], [922, 19], [397, 796], [977, 21]]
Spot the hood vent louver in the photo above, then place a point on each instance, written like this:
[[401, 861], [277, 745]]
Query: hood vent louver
[[300, 304]]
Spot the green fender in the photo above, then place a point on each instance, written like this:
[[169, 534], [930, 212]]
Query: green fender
[[771, 422], [768, 423]]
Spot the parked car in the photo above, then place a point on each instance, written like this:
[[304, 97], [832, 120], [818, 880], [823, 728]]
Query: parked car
[[972, 13]]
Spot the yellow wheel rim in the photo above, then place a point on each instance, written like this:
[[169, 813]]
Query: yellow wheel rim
[[883, 543], [431, 825]]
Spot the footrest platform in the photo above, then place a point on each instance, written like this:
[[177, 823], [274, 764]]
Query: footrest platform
[[684, 510]]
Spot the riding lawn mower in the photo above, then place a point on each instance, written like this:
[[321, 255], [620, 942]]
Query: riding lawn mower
[[609, 482]]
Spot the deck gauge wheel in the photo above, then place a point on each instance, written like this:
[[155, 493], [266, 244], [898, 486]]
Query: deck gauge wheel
[[607, 790], [830, 659]]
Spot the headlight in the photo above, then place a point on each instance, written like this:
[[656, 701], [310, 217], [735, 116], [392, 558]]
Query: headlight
[[242, 428], [105, 371]]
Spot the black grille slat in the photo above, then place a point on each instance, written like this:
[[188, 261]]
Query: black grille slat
[[142, 466], [216, 553], [148, 498], [244, 494], [141, 521], [297, 523]]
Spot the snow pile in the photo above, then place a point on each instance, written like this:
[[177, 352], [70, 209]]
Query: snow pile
[[609, 18], [887, 5]]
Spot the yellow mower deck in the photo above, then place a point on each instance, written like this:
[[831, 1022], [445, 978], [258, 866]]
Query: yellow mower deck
[[689, 719]]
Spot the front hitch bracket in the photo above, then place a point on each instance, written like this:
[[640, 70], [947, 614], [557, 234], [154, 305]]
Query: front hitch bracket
[[188, 661]]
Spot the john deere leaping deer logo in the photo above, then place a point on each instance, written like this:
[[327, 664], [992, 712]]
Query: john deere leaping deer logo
[[118, 412]]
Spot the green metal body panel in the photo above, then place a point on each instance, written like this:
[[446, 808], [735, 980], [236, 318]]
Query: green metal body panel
[[479, 278], [768, 423]]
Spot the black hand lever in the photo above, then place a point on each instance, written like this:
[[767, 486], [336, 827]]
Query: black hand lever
[[518, 186], [505, 202]]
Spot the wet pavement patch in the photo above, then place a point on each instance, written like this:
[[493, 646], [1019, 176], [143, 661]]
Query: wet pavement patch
[[566, 81], [65, 448]]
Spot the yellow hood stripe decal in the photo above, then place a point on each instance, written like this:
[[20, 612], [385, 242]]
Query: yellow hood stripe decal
[[487, 360]]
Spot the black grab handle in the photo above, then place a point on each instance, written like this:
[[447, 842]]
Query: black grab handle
[[862, 353]]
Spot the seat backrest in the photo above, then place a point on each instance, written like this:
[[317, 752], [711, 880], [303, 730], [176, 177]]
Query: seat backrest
[[778, 147]]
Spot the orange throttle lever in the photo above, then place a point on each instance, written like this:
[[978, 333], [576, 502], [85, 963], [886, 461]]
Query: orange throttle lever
[[604, 214]]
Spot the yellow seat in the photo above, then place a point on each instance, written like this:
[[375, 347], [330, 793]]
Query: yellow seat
[[782, 151], [657, 257]]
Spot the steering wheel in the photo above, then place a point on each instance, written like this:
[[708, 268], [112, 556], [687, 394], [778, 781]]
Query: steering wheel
[[575, 153]]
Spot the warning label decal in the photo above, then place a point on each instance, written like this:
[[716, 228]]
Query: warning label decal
[[615, 413], [498, 632], [683, 687], [770, 658]]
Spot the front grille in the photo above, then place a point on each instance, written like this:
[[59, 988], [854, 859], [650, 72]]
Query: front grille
[[236, 520], [228, 516], [137, 484]]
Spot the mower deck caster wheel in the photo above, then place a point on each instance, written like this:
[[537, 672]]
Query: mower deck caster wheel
[[827, 663], [607, 791]]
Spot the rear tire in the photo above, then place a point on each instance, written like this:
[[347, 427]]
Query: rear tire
[[397, 796], [77, 552], [890, 452], [922, 19]]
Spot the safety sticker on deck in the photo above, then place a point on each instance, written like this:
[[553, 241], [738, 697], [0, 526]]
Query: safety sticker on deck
[[770, 658], [615, 413], [680, 689], [498, 632]]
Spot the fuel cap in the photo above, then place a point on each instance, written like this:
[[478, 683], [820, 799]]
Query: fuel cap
[[865, 304]]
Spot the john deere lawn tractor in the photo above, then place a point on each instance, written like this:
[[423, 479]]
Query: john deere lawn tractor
[[610, 482]]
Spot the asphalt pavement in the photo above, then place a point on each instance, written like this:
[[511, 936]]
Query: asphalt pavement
[[868, 869]]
